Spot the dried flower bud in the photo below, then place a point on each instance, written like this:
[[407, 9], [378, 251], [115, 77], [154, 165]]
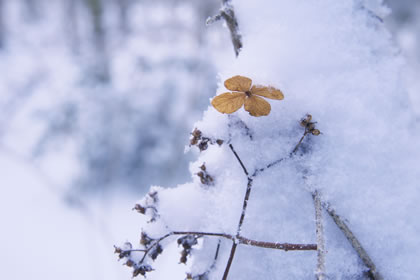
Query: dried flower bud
[[142, 269], [315, 132], [219, 142], [310, 126], [129, 263], [205, 178], [196, 133], [187, 241], [117, 250], [196, 136], [203, 145], [201, 175], [156, 251], [304, 122], [203, 167], [154, 196], [184, 256], [193, 141], [145, 240], [139, 208]]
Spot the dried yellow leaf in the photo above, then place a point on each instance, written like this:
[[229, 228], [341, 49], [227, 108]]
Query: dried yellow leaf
[[238, 83], [243, 94], [257, 106], [228, 102], [268, 92]]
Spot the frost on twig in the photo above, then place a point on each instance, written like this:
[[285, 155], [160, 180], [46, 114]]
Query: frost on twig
[[355, 243], [320, 240], [228, 14]]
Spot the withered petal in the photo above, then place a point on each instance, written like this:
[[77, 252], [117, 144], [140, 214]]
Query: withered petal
[[228, 102], [268, 92], [238, 83], [257, 106]]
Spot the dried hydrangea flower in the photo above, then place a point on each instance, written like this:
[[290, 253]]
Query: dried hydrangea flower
[[245, 94]]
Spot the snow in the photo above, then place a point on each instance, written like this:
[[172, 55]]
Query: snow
[[332, 59], [336, 61]]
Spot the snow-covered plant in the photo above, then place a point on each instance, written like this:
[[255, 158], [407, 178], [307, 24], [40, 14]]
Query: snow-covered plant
[[257, 179]]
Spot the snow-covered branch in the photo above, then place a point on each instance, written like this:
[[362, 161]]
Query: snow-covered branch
[[228, 14]]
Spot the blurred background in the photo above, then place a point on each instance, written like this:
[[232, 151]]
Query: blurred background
[[97, 99]]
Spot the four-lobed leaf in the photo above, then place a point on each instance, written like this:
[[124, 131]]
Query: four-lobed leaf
[[247, 95]]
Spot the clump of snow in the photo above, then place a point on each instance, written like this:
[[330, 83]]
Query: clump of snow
[[336, 61]]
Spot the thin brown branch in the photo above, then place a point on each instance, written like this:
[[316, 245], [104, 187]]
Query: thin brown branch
[[213, 265], [300, 142], [257, 171], [241, 219], [216, 255], [238, 239], [279, 246], [244, 206], [239, 159], [230, 260], [357, 246], [202, 233]]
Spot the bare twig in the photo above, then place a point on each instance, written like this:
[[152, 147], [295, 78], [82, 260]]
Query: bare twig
[[241, 219], [259, 170], [237, 239], [320, 273], [239, 159], [357, 246], [279, 246], [300, 142], [216, 255], [245, 205], [212, 266], [230, 260]]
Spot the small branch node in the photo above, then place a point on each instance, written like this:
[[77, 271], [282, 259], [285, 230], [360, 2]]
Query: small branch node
[[213, 19]]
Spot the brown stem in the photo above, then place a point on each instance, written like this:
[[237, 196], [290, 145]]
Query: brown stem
[[230, 260], [238, 239], [357, 246], [279, 246], [241, 219], [239, 159], [300, 142], [216, 255], [245, 205], [257, 171]]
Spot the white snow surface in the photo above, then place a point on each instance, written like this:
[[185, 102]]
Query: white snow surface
[[336, 61]]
